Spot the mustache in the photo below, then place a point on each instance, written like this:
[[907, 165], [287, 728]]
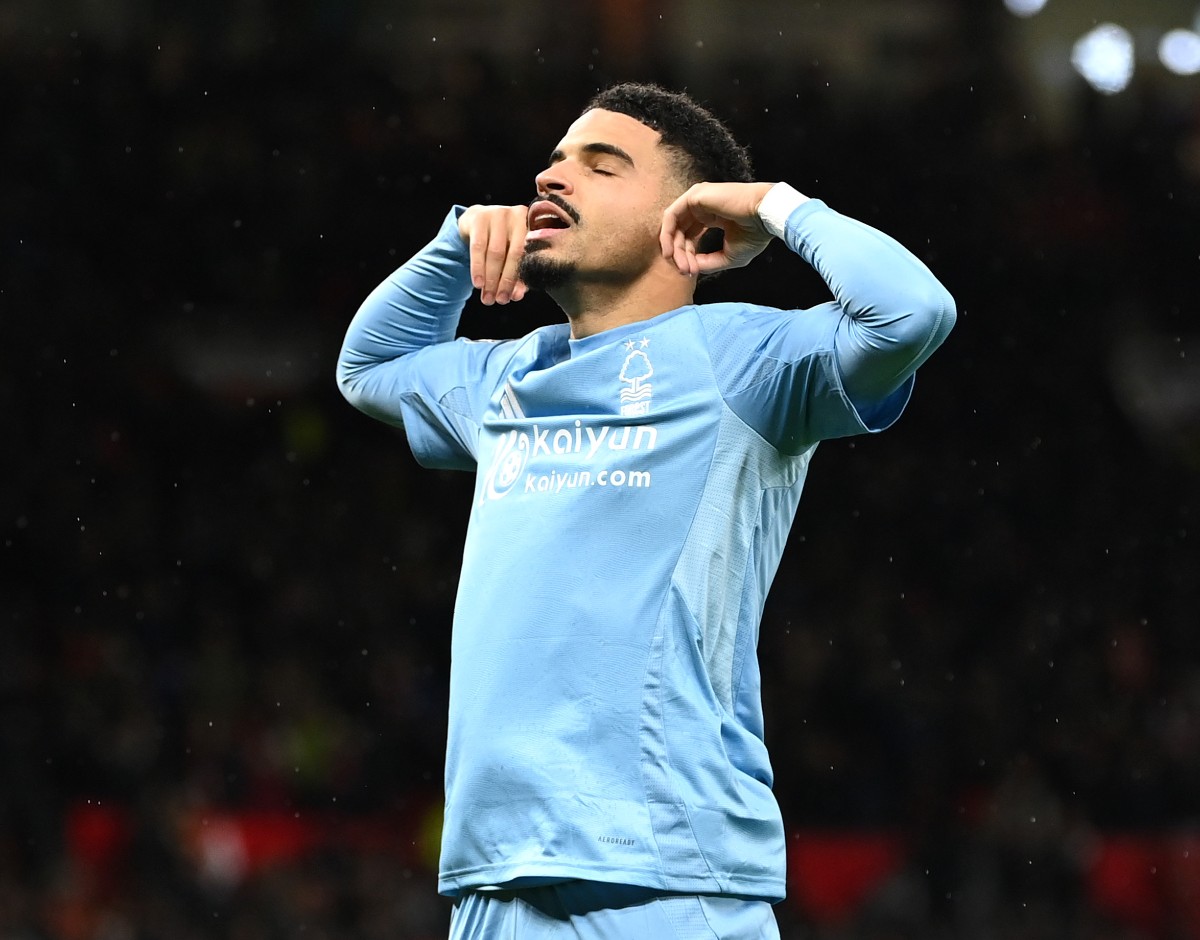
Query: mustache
[[557, 200]]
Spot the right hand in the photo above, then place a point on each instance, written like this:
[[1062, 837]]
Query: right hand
[[496, 237]]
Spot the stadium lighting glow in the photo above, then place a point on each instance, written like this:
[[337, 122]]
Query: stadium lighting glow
[[1179, 51], [1104, 57], [1024, 7]]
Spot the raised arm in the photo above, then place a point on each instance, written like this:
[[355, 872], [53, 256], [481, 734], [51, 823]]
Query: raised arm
[[891, 312], [896, 312], [420, 304]]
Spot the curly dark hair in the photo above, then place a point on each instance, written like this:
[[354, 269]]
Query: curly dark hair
[[704, 148]]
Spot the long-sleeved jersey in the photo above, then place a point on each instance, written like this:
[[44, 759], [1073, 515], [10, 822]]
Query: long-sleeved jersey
[[634, 491]]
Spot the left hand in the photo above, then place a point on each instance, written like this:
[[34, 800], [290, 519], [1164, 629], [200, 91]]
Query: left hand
[[731, 207], [495, 236]]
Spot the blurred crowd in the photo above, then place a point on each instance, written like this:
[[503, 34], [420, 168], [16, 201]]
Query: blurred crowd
[[224, 591]]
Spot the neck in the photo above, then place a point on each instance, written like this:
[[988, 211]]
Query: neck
[[595, 307]]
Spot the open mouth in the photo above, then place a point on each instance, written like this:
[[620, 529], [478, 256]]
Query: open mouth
[[545, 218]]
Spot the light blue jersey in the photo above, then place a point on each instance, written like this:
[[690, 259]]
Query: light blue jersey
[[633, 495]]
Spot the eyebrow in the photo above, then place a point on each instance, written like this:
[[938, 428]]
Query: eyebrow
[[611, 150]]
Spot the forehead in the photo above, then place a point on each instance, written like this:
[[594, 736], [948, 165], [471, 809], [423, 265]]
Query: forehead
[[610, 127]]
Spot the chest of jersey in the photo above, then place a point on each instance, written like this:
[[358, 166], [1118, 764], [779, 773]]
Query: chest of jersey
[[627, 415]]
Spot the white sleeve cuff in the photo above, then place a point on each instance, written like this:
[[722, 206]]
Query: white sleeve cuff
[[780, 201]]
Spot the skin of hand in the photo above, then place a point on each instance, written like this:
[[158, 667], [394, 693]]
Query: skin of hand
[[496, 238], [731, 207]]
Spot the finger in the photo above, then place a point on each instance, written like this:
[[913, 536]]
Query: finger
[[517, 227], [679, 251], [495, 255], [670, 225], [685, 254], [689, 257], [666, 236], [680, 214], [713, 261], [478, 246]]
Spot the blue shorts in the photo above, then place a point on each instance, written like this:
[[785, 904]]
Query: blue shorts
[[593, 910]]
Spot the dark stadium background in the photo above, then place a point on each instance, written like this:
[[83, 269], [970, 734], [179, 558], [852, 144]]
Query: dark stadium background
[[226, 595]]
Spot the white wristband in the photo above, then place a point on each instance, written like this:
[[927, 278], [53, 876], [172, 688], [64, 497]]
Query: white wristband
[[780, 201]]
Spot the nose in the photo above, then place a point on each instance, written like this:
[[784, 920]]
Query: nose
[[554, 179]]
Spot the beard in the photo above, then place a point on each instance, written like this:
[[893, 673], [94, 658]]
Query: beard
[[543, 273]]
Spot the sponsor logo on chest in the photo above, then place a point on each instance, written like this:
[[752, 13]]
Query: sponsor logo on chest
[[531, 458]]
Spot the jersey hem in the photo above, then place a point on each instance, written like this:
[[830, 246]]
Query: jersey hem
[[456, 883]]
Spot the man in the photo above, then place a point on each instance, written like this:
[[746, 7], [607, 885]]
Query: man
[[638, 469]]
